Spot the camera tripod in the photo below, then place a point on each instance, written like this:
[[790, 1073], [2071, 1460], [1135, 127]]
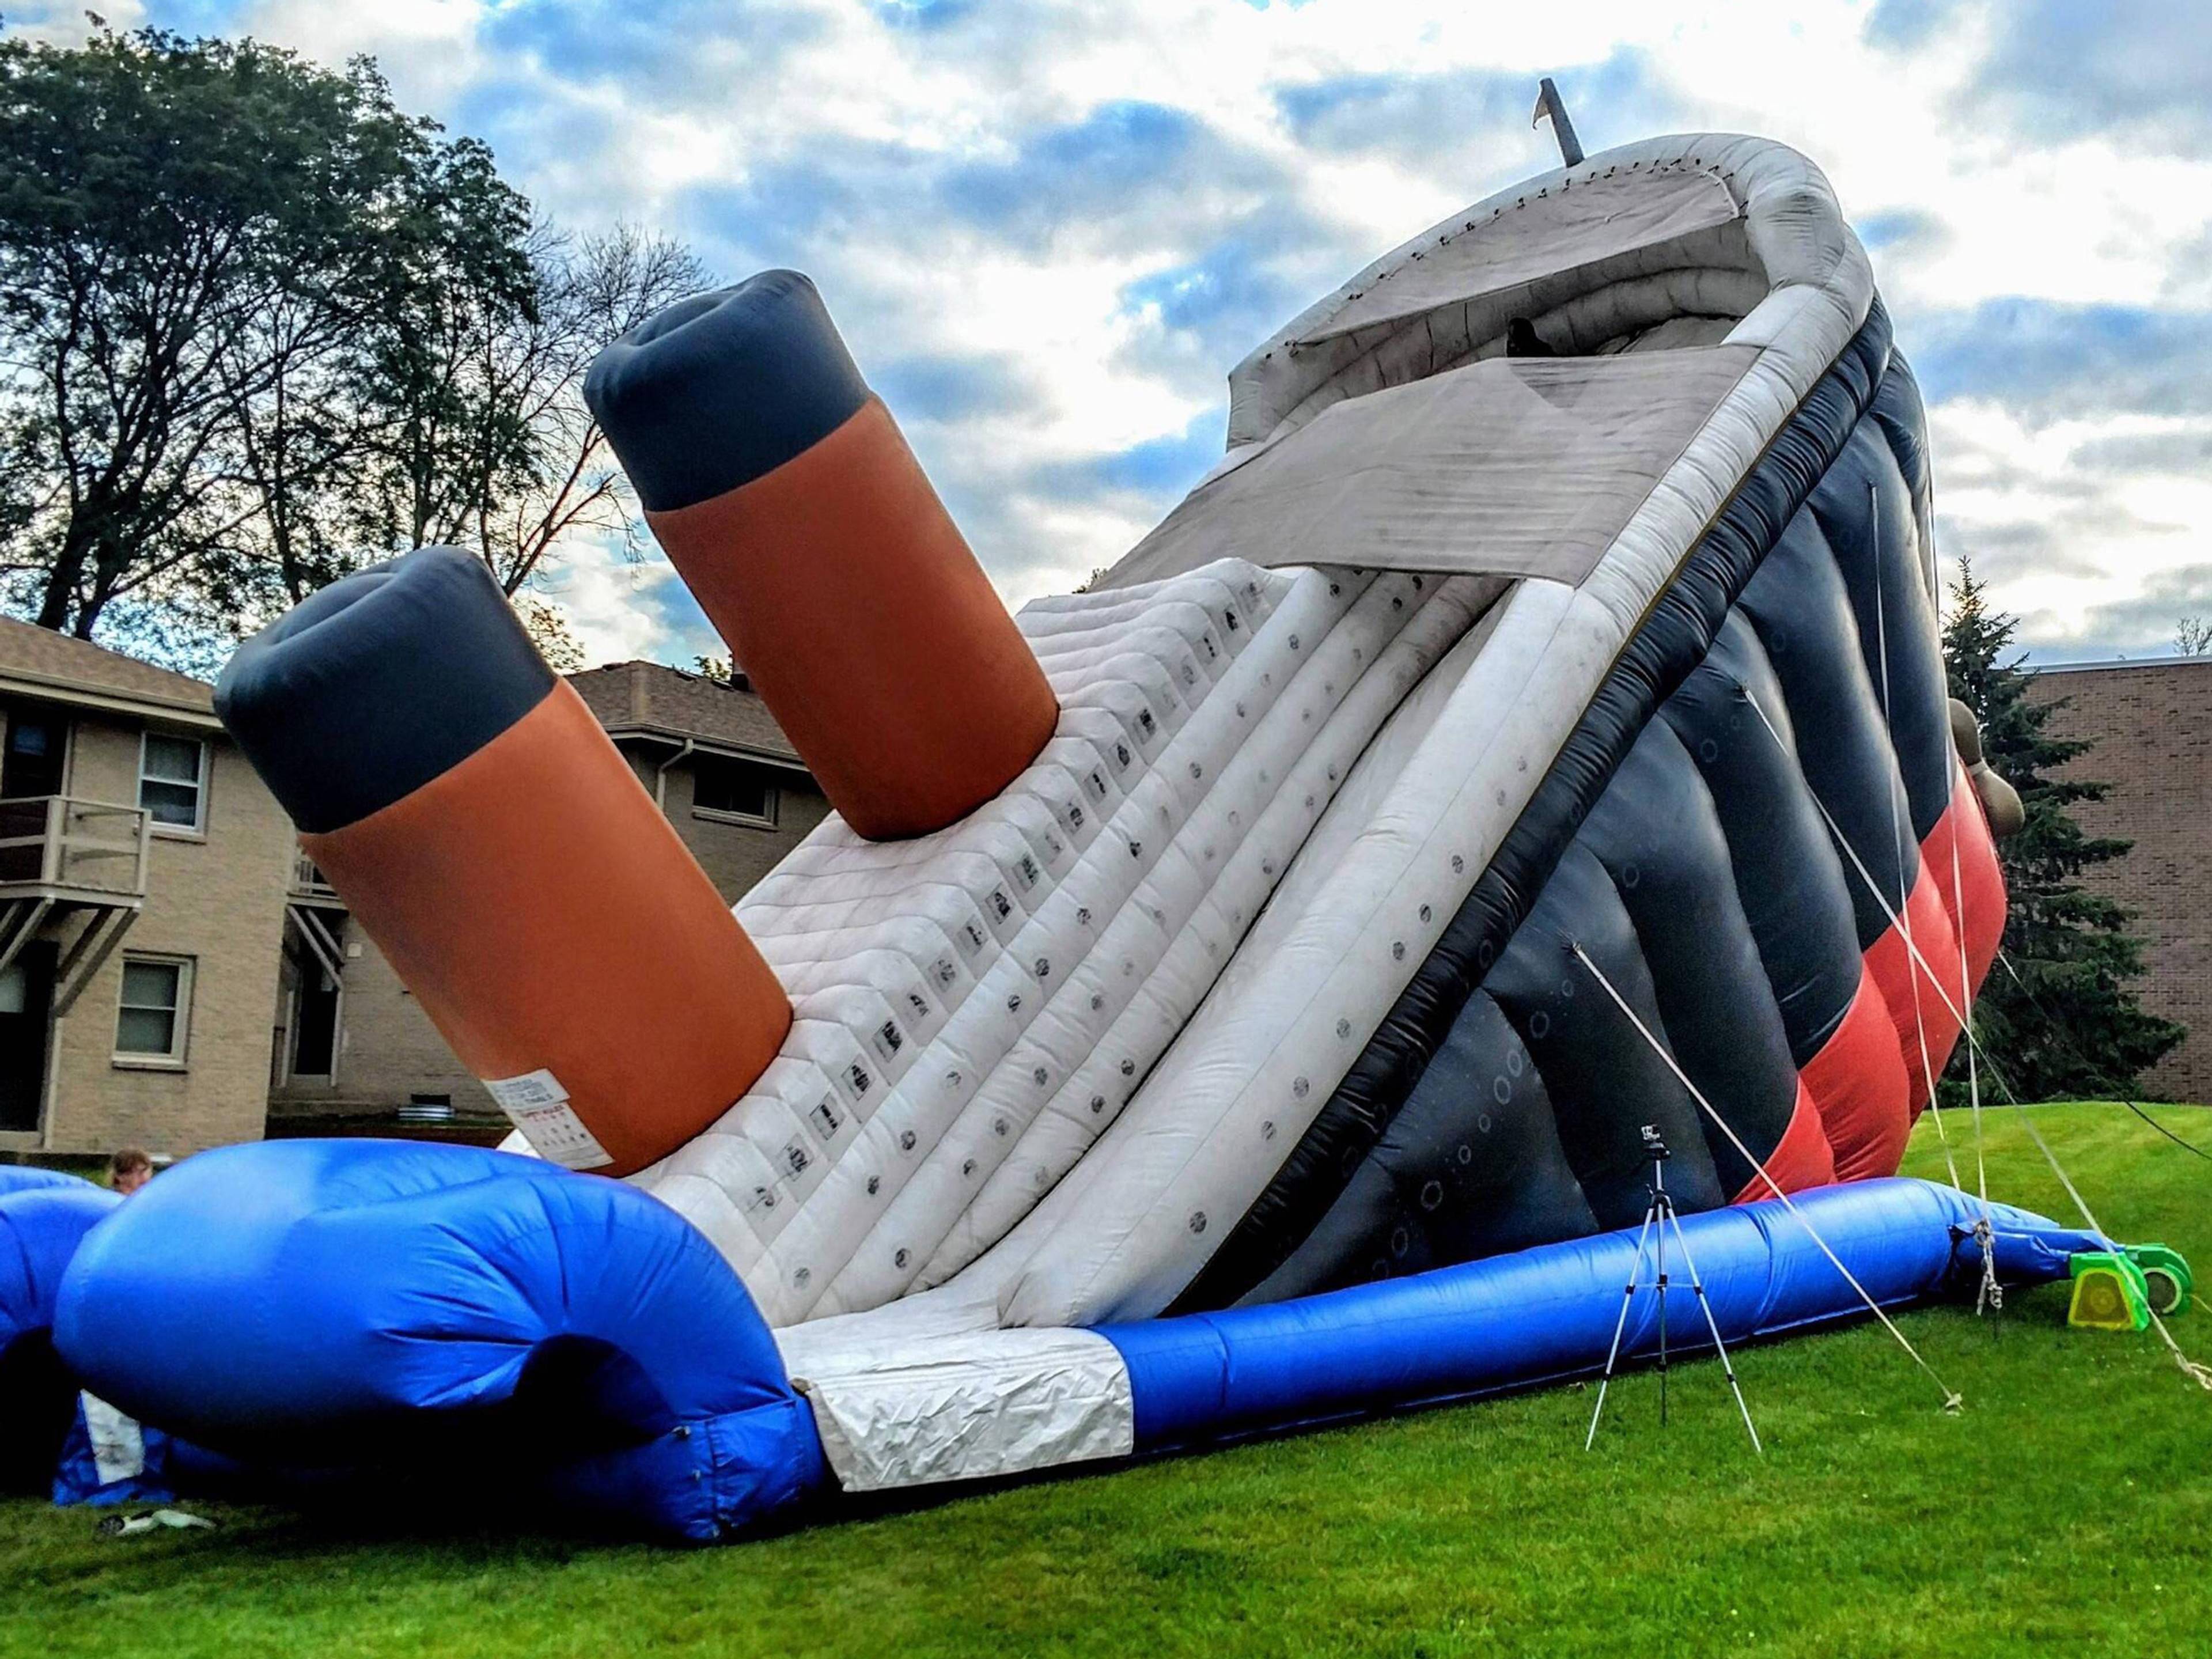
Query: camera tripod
[[1658, 1217]]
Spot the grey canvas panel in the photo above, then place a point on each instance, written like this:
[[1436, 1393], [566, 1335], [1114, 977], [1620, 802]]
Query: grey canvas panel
[[1523, 466], [1546, 236]]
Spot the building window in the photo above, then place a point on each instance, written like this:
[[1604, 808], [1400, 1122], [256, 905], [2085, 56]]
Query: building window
[[33, 764], [155, 1009], [732, 789], [173, 780]]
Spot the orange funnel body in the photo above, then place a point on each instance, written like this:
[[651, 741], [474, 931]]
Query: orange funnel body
[[490, 839], [788, 499]]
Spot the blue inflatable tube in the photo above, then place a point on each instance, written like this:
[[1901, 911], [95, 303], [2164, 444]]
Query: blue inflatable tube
[[517, 1338], [377, 1310], [48, 1442], [43, 1218], [1548, 1313], [25, 1177], [40, 1228]]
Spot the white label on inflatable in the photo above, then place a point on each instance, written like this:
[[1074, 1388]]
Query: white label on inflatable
[[536, 1104]]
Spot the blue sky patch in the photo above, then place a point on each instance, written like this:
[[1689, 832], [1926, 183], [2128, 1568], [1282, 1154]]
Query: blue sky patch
[[2047, 361]]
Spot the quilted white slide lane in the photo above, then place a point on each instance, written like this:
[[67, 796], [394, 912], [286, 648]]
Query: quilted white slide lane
[[883, 946], [1053, 944], [1169, 941], [1250, 865]]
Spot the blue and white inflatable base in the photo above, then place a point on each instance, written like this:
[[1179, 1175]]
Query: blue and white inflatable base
[[364, 1313], [44, 1216], [53, 1437]]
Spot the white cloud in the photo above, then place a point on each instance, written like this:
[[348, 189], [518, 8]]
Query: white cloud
[[626, 113]]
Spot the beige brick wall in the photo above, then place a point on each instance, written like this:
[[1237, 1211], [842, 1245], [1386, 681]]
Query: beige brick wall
[[2152, 724], [217, 899], [388, 1050]]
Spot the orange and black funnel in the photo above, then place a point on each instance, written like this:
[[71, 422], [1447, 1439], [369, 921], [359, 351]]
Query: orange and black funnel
[[790, 502], [492, 840]]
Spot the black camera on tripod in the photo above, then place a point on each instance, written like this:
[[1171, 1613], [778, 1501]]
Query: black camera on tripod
[[1654, 1144]]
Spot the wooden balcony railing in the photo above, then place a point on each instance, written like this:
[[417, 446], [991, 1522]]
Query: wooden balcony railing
[[310, 886], [61, 846]]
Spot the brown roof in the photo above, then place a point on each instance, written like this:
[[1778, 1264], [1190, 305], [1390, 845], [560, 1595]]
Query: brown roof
[[650, 699], [39, 662], [631, 699]]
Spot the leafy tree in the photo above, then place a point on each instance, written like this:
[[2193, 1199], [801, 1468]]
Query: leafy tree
[[490, 446], [548, 628], [198, 240], [2075, 1029], [258, 327]]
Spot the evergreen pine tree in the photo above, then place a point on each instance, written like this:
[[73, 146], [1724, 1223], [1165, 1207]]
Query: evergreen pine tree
[[2077, 1031]]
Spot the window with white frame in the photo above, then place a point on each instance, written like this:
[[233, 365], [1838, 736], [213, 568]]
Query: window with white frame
[[154, 1010], [173, 780]]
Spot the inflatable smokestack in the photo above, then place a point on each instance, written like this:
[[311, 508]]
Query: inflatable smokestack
[[785, 494], [477, 822]]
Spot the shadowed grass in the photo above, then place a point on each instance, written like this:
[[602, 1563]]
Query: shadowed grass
[[2069, 1511]]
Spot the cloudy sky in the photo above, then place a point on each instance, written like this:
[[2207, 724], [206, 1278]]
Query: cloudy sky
[[1048, 227]]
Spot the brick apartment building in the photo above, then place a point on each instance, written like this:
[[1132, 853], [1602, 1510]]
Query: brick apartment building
[[2152, 724], [173, 974], [142, 889]]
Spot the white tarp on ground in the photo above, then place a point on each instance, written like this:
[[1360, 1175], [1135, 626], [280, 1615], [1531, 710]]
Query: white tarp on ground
[[932, 1389]]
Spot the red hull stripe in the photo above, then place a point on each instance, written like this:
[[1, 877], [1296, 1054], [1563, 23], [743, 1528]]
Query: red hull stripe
[[1980, 880], [1867, 1082], [1803, 1157], [1915, 1008], [1857, 1081]]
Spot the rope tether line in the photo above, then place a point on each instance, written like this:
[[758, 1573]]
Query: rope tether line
[[1991, 1296], [2200, 1375], [1900, 810], [1952, 1401]]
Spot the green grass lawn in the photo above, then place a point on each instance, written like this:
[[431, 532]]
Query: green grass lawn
[[2068, 1511]]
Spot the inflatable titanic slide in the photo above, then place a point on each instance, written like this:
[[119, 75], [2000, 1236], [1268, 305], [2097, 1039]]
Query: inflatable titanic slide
[[1236, 995]]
